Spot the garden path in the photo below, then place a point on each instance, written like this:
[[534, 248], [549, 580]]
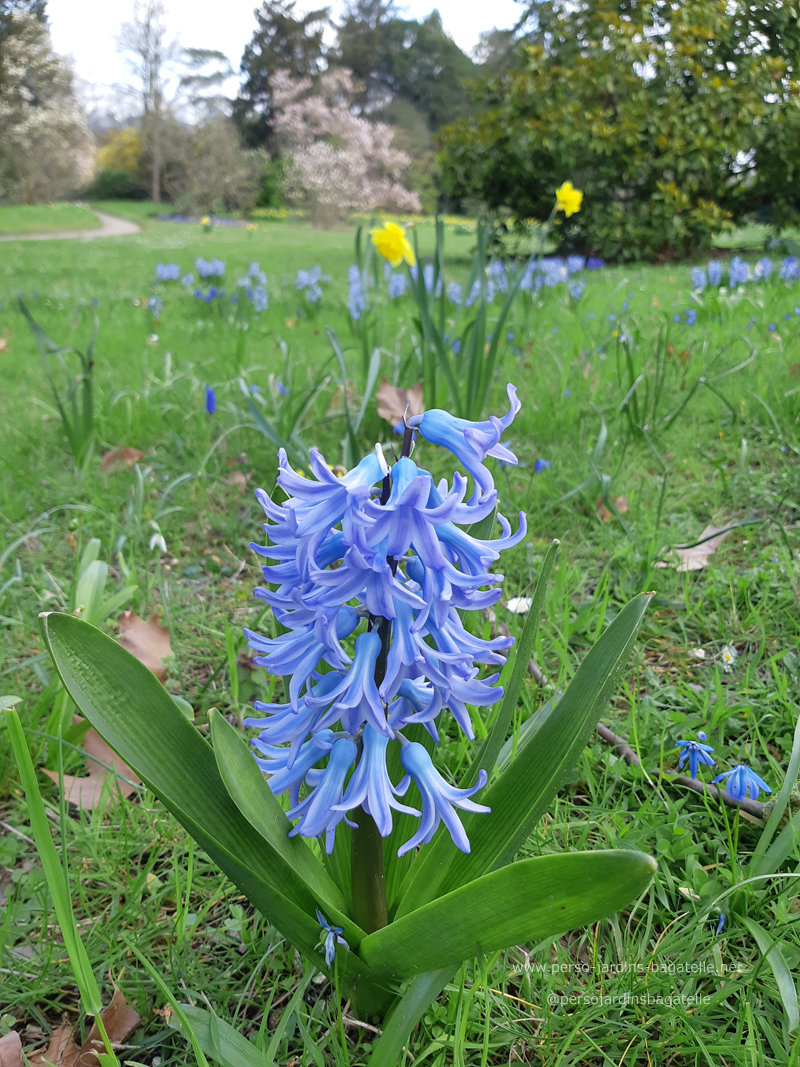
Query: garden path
[[112, 227]]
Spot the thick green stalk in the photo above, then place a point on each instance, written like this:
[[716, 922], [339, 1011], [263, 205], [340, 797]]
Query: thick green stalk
[[366, 865]]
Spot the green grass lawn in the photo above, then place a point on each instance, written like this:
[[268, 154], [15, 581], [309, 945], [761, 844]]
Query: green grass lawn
[[46, 218], [676, 424]]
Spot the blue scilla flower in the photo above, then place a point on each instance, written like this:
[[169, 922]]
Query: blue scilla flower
[[541, 465], [576, 288], [156, 305], [699, 279], [595, 263], [379, 557], [211, 400], [691, 317], [187, 280], [742, 782], [470, 442], [575, 264], [214, 268], [696, 753], [715, 273], [333, 937], [256, 274]]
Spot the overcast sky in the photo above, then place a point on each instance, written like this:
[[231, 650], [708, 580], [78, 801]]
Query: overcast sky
[[87, 29]]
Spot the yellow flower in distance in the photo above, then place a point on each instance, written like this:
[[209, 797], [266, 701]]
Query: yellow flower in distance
[[392, 243], [205, 221], [568, 199]]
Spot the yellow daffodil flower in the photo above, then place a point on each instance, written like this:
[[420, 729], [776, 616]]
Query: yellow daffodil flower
[[568, 199], [205, 221], [392, 243]]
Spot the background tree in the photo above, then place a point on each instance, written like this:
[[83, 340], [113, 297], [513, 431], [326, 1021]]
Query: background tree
[[339, 162], [144, 38], [45, 145], [282, 42], [11, 8], [671, 117], [202, 84], [218, 174]]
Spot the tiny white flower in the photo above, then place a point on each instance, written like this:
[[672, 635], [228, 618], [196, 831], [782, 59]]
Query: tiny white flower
[[698, 653], [728, 655], [518, 605], [152, 339], [157, 541]]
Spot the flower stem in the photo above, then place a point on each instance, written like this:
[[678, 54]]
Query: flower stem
[[366, 866]]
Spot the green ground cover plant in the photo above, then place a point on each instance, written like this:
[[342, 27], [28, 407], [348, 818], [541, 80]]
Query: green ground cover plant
[[652, 408], [46, 218]]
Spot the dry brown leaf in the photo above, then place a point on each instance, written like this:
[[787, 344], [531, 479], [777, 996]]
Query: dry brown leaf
[[238, 479], [62, 1050], [392, 403], [148, 641], [86, 792], [120, 457], [10, 1050], [621, 503], [4, 347], [119, 1019], [696, 557]]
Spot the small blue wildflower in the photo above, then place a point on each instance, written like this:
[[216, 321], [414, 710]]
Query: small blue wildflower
[[211, 400], [786, 317], [259, 297], [541, 465], [167, 272], [356, 299], [742, 782], [720, 924], [509, 336], [454, 293], [676, 318], [595, 263], [397, 285], [715, 273], [739, 272], [155, 304], [281, 388], [333, 936], [456, 347], [591, 315], [187, 280], [567, 393], [555, 329], [255, 389], [612, 318], [691, 317], [763, 268], [772, 327], [696, 753], [575, 264], [576, 289], [789, 270]]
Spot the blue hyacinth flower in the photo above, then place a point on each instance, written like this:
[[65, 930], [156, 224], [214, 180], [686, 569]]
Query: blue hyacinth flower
[[470, 442], [742, 782], [696, 753], [439, 799], [211, 400]]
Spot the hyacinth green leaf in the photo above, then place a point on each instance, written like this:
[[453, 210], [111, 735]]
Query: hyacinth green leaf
[[136, 716], [522, 902], [250, 793], [520, 796], [518, 666], [387, 1051]]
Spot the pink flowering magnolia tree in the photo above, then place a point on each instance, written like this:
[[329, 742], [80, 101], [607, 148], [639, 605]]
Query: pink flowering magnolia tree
[[339, 162]]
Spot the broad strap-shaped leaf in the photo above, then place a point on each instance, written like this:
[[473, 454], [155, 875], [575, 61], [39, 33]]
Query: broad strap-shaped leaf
[[520, 796], [387, 1051], [250, 793], [523, 902], [140, 721]]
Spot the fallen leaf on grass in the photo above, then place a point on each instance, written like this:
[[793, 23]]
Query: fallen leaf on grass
[[695, 557], [10, 1050], [119, 1019], [120, 457], [85, 792], [620, 502], [147, 640], [4, 347], [392, 402], [239, 480]]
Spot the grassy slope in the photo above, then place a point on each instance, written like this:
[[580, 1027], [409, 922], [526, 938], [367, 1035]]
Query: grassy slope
[[46, 218], [724, 461]]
